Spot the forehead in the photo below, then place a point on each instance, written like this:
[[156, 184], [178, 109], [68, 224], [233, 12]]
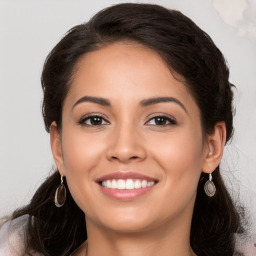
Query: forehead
[[125, 71]]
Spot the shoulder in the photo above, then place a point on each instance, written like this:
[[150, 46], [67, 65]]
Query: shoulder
[[12, 236]]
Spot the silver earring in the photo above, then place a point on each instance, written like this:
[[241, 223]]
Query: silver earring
[[209, 187], [60, 194]]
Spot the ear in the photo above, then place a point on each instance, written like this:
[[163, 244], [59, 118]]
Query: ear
[[56, 148], [214, 148]]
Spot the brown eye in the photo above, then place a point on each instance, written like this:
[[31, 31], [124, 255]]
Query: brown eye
[[93, 121], [161, 121]]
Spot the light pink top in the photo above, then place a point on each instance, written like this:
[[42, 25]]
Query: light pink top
[[12, 237]]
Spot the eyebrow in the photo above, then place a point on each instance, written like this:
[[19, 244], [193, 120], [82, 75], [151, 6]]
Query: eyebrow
[[156, 100], [97, 100], [143, 103]]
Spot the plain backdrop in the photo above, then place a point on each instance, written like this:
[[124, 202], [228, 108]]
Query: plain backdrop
[[30, 29]]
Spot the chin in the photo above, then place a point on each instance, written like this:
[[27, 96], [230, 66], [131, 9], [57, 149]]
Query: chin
[[127, 221]]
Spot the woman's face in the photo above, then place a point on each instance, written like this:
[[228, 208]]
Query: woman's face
[[128, 123]]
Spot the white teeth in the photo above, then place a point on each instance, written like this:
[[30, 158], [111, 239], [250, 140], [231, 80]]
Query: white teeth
[[114, 184], [108, 183], [144, 183], [151, 183], [127, 184], [120, 184], [137, 184]]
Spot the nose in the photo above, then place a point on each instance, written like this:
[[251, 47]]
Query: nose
[[126, 145]]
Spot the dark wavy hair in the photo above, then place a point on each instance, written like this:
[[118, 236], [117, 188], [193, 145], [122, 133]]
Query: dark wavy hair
[[189, 52]]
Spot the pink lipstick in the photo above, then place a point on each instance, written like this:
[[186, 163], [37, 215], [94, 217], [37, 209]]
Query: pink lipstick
[[126, 185]]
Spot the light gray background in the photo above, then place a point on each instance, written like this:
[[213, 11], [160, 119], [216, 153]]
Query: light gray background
[[30, 29]]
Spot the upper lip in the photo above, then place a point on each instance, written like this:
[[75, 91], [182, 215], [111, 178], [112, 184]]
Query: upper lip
[[124, 175]]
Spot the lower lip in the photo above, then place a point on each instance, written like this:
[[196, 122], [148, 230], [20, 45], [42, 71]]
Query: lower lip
[[125, 194]]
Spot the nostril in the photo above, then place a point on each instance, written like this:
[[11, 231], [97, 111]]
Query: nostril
[[125, 153], [127, 158]]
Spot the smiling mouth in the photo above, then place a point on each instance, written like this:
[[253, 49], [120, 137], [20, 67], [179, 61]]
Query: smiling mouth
[[129, 184], [125, 186]]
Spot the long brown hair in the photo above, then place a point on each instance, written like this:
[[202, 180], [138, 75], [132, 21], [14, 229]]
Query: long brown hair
[[189, 52]]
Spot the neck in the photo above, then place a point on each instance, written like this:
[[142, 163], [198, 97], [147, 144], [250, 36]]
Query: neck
[[172, 239]]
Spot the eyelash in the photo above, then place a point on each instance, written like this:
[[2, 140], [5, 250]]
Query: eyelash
[[171, 121], [90, 117]]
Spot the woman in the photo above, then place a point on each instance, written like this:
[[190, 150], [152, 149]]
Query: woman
[[139, 107]]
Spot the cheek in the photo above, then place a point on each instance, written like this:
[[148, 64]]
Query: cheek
[[80, 152], [180, 149], [81, 156], [180, 157]]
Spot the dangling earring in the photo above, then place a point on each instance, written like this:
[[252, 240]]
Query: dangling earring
[[209, 187], [60, 194]]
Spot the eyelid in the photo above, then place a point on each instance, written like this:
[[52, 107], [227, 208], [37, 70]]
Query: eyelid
[[94, 114], [171, 119]]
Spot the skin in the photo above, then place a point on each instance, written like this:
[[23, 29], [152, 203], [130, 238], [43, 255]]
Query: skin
[[130, 139]]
